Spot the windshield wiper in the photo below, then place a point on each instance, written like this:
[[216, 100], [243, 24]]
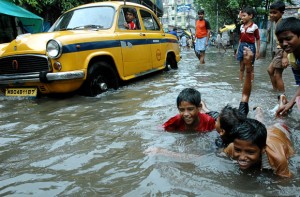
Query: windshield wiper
[[94, 26], [97, 27]]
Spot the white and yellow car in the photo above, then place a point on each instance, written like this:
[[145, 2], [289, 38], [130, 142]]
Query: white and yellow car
[[88, 49]]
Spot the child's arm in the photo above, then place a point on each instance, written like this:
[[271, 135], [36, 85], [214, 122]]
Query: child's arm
[[282, 110], [248, 56], [257, 49], [126, 25], [285, 61]]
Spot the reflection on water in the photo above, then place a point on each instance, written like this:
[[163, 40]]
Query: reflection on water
[[98, 146]]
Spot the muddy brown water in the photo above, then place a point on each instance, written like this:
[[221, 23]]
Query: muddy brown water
[[101, 146]]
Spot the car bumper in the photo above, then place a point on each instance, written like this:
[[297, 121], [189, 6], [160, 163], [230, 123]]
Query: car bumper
[[40, 77]]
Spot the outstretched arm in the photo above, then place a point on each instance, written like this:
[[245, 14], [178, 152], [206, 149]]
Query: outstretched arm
[[282, 110], [248, 56]]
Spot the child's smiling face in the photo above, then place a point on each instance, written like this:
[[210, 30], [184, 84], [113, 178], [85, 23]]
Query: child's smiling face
[[189, 113], [275, 15], [246, 153], [289, 41], [246, 17]]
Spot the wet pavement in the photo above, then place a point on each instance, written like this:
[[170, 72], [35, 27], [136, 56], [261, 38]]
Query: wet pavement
[[105, 146]]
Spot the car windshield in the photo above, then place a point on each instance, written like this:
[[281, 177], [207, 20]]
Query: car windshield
[[85, 18]]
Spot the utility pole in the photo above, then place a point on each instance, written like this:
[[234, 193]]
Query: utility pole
[[217, 19]]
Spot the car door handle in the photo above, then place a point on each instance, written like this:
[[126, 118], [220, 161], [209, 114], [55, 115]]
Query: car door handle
[[142, 34], [163, 34]]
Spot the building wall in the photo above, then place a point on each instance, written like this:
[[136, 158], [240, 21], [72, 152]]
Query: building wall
[[292, 10], [173, 17]]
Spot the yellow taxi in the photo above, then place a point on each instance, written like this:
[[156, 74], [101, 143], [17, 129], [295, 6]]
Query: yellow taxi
[[88, 49]]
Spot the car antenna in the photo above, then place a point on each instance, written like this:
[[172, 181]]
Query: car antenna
[[124, 2]]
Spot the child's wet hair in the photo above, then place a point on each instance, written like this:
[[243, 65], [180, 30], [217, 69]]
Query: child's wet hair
[[278, 5], [189, 95], [229, 117], [288, 24], [249, 10], [251, 130]]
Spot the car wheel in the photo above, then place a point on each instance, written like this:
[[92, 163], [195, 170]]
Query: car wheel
[[172, 62], [100, 77]]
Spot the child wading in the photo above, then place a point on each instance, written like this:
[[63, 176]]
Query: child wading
[[288, 35], [280, 61], [249, 34]]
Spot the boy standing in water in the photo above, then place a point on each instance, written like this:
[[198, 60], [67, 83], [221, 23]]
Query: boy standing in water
[[249, 34], [280, 61], [190, 117], [288, 35], [202, 36]]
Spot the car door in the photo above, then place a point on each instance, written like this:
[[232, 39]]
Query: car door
[[136, 52], [155, 35]]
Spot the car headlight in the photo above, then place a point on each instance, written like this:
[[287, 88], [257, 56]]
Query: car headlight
[[54, 49]]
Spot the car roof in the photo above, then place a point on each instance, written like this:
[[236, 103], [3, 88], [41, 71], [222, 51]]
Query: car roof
[[109, 3]]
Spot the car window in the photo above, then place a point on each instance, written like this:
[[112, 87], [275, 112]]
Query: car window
[[124, 14], [92, 17], [149, 21], [121, 19]]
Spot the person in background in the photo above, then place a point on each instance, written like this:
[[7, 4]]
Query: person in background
[[202, 36], [183, 42], [280, 61], [190, 43], [288, 35], [249, 34], [174, 32], [130, 16], [220, 42]]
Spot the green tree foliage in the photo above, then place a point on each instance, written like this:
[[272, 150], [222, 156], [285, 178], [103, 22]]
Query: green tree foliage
[[50, 10], [226, 11]]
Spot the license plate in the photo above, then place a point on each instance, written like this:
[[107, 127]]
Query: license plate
[[21, 92]]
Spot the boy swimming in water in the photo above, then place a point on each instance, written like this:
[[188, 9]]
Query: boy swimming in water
[[255, 147], [191, 118]]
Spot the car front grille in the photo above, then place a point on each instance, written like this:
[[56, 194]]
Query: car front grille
[[24, 64]]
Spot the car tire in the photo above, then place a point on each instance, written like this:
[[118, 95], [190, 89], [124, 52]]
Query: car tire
[[100, 77], [172, 62]]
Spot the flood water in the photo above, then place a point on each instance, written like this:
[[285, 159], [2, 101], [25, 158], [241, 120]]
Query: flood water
[[105, 146]]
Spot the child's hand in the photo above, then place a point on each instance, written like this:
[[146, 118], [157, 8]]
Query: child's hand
[[257, 56], [248, 56], [285, 62]]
